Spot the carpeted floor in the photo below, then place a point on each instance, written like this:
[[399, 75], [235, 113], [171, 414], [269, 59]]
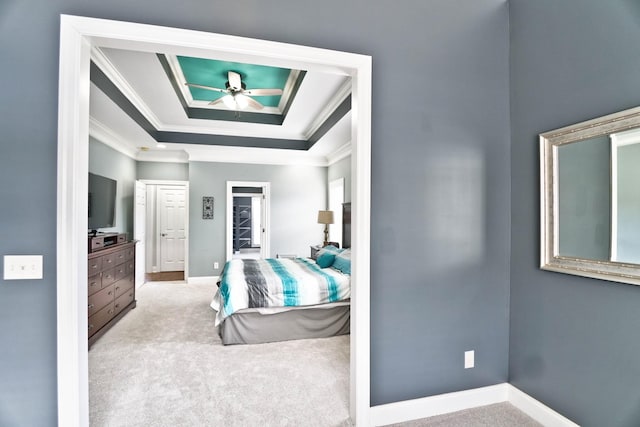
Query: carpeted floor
[[163, 365], [497, 415]]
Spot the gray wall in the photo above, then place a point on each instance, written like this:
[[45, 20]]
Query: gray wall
[[629, 203], [163, 171], [297, 193], [105, 161], [574, 341], [584, 209], [341, 169], [440, 247]]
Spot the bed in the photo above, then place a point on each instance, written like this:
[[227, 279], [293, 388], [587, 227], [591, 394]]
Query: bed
[[281, 299], [266, 300]]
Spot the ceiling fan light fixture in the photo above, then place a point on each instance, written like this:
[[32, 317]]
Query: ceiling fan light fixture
[[229, 101], [241, 101]]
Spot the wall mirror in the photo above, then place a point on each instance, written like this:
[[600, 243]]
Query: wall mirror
[[590, 198]]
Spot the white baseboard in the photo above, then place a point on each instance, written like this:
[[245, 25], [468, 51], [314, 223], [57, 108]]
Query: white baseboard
[[203, 280], [537, 410], [408, 410]]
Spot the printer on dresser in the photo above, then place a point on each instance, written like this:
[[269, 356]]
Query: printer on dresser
[[111, 281]]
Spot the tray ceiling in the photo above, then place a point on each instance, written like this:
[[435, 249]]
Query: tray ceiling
[[142, 100]]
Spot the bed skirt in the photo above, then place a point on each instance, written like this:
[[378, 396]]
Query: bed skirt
[[254, 327]]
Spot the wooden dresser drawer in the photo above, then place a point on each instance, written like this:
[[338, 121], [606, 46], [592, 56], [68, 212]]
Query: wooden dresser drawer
[[108, 277], [95, 266], [109, 261], [124, 300], [122, 286], [100, 299], [120, 256], [94, 283], [101, 318], [131, 265], [121, 271]]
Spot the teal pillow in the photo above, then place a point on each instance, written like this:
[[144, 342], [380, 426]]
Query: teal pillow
[[330, 248], [325, 259], [342, 261]]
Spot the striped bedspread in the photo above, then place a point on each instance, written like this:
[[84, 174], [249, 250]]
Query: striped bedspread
[[283, 282]]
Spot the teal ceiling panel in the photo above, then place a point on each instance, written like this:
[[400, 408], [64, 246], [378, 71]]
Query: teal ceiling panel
[[208, 72]]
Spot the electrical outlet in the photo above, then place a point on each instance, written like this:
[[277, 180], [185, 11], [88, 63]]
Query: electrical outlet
[[216, 265], [21, 267], [469, 359]]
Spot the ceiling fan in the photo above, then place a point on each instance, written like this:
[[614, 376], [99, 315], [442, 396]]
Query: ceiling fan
[[237, 96]]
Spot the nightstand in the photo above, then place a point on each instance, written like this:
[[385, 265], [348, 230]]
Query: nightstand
[[314, 251]]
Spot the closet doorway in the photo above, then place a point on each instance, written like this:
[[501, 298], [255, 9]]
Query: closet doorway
[[247, 233]]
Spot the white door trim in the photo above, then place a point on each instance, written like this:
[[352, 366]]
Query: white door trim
[[265, 247], [159, 182], [161, 224], [77, 36]]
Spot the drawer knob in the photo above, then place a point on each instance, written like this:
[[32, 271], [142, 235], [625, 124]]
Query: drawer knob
[[110, 311], [110, 292], [90, 327], [90, 306]]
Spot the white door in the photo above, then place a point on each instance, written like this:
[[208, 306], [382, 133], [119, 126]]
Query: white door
[[139, 230], [172, 212]]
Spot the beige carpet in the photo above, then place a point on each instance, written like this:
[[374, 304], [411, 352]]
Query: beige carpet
[[498, 415], [163, 365]]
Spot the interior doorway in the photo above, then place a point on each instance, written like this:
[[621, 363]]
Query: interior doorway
[[248, 224], [77, 36], [166, 225], [336, 199]]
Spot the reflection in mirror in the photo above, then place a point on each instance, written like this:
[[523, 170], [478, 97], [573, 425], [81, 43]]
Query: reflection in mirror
[[590, 188], [585, 190], [625, 197]]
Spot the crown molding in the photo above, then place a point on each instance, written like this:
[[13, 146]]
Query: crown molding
[[339, 154], [110, 138], [107, 67], [267, 156], [163, 156], [341, 94]]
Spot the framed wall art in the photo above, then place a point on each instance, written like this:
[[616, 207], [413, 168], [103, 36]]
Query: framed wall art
[[207, 207]]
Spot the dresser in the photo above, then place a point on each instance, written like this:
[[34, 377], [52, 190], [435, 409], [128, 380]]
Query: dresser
[[111, 286]]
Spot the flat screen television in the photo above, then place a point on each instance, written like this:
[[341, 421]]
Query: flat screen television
[[102, 202]]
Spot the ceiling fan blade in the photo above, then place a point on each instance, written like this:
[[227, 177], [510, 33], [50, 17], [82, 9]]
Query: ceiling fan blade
[[217, 101], [263, 92], [253, 103], [215, 89], [235, 81]]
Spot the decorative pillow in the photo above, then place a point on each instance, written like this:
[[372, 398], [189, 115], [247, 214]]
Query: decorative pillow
[[330, 248], [342, 261], [325, 259]]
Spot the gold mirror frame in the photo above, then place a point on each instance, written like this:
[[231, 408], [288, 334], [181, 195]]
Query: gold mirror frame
[[550, 259]]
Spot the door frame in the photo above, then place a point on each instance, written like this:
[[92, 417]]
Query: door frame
[[265, 246], [174, 183], [77, 37], [141, 246]]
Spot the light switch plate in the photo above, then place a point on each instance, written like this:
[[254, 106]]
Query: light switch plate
[[22, 267], [469, 359]]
